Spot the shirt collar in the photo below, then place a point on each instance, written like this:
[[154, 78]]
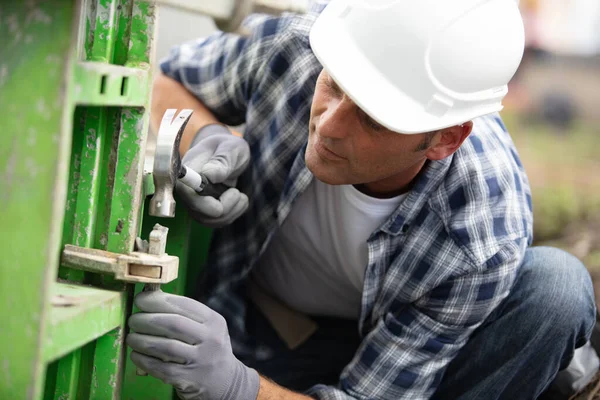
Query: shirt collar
[[427, 182], [317, 6]]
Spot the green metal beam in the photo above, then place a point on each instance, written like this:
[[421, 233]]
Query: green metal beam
[[124, 12], [70, 379], [103, 84], [108, 366], [104, 32], [71, 91], [143, 27], [78, 315], [35, 64]]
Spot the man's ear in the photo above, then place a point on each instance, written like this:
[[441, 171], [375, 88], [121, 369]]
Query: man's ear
[[449, 140]]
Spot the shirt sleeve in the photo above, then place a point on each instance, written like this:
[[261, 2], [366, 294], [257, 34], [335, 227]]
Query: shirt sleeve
[[223, 70], [406, 354]]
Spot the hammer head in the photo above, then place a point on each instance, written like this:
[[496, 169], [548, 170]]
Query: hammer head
[[167, 162]]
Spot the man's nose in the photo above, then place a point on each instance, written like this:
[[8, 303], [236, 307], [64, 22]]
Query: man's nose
[[335, 122]]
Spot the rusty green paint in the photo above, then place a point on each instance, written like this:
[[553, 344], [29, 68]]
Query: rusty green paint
[[77, 90], [124, 10], [99, 154], [127, 189], [104, 32], [90, 27], [72, 193], [89, 182], [80, 314], [69, 377], [111, 85], [106, 173], [108, 361], [121, 230], [119, 208], [142, 33], [36, 133], [97, 312]]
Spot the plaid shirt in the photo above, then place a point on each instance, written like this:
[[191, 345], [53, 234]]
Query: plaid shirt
[[439, 265]]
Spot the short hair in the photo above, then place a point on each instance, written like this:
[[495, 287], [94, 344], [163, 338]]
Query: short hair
[[426, 142]]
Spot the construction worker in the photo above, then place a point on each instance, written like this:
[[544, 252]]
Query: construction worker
[[376, 243]]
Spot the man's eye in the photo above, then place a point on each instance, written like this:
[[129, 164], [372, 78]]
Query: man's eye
[[373, 125]]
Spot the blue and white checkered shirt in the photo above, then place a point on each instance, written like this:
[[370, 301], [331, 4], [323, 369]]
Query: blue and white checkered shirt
[[437, 268]]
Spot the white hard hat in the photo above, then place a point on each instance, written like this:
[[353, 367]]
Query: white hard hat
[[419, 66]]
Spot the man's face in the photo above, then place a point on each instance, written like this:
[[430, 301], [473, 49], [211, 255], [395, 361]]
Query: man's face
[[345, 146]]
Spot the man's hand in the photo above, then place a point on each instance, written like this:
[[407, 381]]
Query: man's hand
[[186, 344], [221, 157]]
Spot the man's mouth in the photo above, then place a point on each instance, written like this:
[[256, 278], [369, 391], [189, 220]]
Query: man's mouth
[[325, 153]]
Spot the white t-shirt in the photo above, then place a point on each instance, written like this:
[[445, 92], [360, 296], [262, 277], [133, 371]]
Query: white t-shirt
[[316, 261]]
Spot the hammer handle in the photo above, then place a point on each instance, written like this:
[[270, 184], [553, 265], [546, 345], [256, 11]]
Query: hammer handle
[[200, 183]]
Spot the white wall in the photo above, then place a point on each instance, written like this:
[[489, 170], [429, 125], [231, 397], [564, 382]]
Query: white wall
[[177, 26]]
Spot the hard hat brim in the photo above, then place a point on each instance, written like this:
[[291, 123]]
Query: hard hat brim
[[366, 86]]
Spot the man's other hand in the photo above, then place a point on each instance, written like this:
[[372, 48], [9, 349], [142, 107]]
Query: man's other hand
[[222, 157], [186, 344]]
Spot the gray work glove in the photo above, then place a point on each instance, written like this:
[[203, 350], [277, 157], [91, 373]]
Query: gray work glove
[[221, 157], [186, 344]]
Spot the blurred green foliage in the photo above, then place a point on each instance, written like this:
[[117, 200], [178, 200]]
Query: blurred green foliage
[[564, 171]]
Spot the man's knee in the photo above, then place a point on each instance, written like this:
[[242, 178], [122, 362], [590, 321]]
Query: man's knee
[[560, 288]]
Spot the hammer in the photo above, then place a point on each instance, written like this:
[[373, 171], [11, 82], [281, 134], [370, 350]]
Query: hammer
[[167, 170], [168, 167]]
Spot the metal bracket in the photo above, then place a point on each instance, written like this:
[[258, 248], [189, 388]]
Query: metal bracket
[[136, 267]]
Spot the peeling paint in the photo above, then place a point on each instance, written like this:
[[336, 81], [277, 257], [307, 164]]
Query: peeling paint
[[112, 381], [102, 13], [104, 239], [38, 15], [91, 142], [77, 161], [43, 109], [95, 377]]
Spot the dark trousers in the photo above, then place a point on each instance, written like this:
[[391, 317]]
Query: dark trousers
[[514, 355]]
